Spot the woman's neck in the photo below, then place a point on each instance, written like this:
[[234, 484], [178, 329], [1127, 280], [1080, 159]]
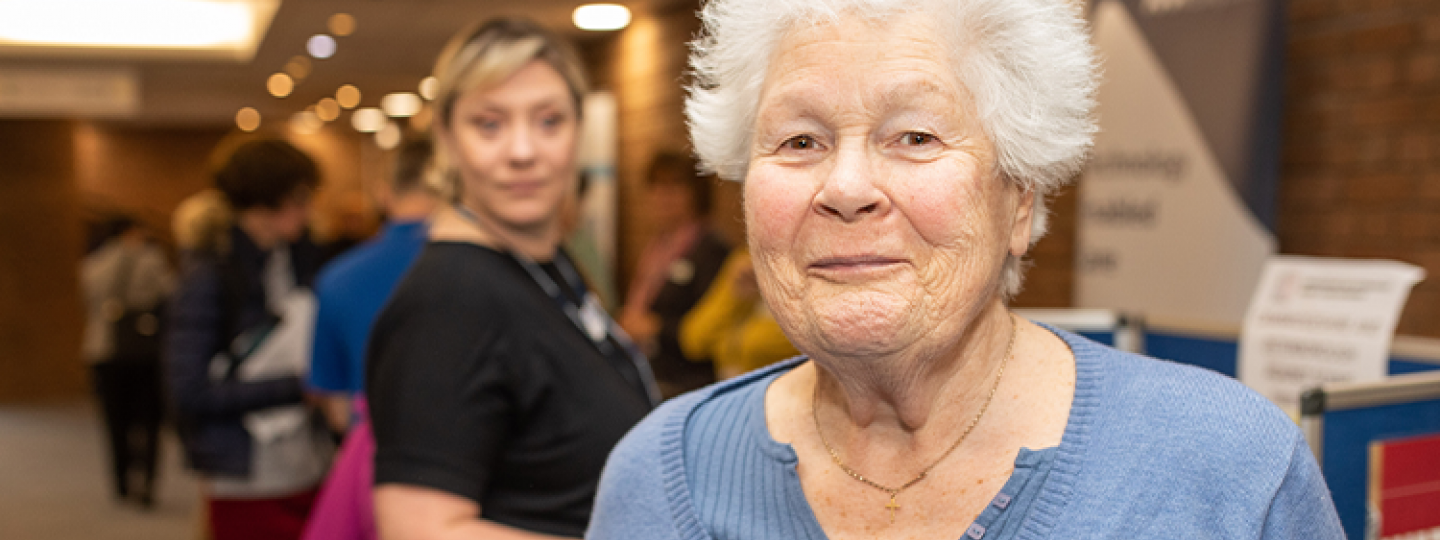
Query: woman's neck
[[459, 223], [909, 390]]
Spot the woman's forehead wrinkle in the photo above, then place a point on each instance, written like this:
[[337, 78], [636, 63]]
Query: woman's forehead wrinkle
[[910, 91]]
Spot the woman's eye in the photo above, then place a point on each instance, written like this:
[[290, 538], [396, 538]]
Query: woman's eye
[[488, 125], [552, 120], [799, 142], [915, 138]]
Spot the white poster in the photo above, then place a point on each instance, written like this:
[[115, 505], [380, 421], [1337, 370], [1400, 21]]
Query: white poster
[[1317, 320], [1161, 231], [593, 241]]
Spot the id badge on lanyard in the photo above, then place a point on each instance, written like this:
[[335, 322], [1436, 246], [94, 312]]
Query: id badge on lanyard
[[590, 318]]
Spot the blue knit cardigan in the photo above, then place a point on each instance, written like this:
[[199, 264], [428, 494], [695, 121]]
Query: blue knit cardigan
[[1152, 449]]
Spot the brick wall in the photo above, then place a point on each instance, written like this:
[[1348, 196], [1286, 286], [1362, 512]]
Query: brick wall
[[1361, 166]]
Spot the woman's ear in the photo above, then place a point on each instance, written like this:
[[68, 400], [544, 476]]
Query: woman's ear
[[1021, 226]]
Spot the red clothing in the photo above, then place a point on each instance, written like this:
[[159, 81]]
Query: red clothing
[[281, 518]]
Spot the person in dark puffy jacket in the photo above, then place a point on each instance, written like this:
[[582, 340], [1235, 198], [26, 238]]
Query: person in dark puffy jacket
[[232, 293]]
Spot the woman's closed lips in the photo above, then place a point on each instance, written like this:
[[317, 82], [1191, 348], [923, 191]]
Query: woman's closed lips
[[855, 264]]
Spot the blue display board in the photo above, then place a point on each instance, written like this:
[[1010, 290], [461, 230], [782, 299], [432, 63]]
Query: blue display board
[[1221, 354], [1345, 452]]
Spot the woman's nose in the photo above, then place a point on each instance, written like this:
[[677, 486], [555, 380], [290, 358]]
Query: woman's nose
[[850, 192], [522, 148]]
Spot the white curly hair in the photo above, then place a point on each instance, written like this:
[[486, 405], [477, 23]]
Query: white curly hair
[[1028, 64]]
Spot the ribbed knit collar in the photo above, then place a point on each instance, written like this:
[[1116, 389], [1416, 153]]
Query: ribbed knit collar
[[1048, 506]]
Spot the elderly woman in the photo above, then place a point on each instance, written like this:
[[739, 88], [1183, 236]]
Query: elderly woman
[[497, 385], [896, 157]]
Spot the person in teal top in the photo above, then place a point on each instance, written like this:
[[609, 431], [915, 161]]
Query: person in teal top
[[896, 158]]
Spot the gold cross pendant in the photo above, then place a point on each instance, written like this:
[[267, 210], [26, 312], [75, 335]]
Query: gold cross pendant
[[893, 506]]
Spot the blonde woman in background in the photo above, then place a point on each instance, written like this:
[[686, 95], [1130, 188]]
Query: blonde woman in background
[[497, 384]]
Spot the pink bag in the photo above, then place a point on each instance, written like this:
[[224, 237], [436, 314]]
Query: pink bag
[[345, 509]]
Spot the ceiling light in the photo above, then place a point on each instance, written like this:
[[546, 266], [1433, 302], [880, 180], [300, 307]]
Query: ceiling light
[[601, 17], [247, 119], [428, 87], [184, 28], [389, 136], [342, 24], [280, 85], [401, 104], [348, 96], [368, 120], [298, 67], [320, 46], [327, 109], [306, 123]]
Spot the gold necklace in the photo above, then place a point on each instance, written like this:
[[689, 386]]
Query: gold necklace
[[892, 505]]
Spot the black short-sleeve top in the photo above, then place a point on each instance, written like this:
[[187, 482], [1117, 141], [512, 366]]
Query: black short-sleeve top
[[479, 385]]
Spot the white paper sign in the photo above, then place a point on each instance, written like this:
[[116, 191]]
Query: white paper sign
[[1316, 320]]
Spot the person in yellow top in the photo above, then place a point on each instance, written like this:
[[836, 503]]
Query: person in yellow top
[[731, 324]]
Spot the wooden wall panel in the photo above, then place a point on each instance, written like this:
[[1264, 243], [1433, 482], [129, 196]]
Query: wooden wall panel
[[59, 175], [41, 241]]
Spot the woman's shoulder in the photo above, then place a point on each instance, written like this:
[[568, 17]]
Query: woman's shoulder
[[1148, 434], [676, 416], [454, 272], [450, 290], [663, 430], [1157, 410], [1186, 397], [643, 492]]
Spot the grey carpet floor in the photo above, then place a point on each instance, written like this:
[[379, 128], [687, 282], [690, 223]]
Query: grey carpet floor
[[54, 483]]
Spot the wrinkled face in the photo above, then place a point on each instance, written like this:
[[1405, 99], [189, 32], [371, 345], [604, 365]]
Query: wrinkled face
[[514, 145], [876, 219]]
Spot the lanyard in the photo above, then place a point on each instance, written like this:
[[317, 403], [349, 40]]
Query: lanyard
[[589, 317]]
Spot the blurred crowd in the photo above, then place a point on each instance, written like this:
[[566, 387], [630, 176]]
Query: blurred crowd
[[455, 370]]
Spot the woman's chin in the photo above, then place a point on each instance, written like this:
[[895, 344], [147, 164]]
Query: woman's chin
[[526, 219], [863, 324]]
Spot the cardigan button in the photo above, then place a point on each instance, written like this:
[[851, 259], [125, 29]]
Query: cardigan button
[[1001, 501]]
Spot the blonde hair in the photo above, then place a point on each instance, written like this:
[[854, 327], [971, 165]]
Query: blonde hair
[[202, 222], [485, 56]]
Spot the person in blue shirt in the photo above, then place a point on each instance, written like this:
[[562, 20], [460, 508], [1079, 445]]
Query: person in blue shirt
[[351, 291], [352, 288]]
